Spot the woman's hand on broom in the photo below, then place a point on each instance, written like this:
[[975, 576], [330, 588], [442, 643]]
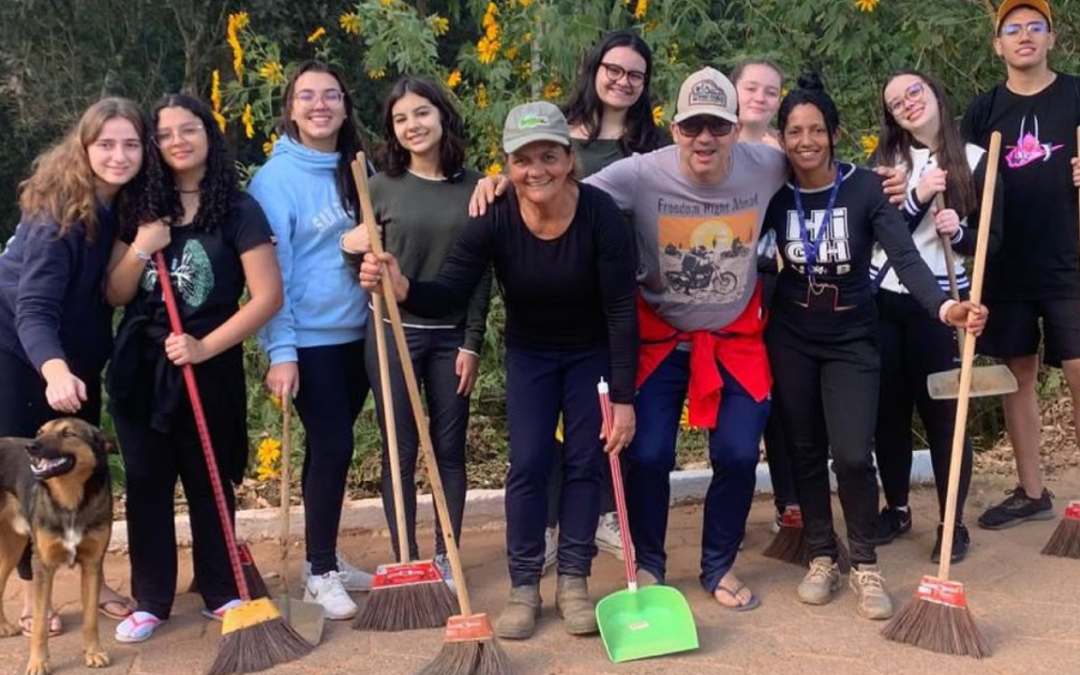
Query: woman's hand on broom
[[184, 349], [967, 315], [622, 428], [371, 271], [283, 380]]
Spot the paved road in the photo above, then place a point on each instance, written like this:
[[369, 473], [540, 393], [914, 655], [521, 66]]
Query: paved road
[[1028, 605]]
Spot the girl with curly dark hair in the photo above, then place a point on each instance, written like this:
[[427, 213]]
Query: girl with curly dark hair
[[55, 327], [215, 240], [316, 342], [422, 203]]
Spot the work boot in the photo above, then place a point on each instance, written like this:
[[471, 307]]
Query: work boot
[[575, 608], [873, 600], [820, 582], [518, 618]]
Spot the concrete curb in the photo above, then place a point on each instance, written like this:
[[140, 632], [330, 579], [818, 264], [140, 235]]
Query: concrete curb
[[483, 508]]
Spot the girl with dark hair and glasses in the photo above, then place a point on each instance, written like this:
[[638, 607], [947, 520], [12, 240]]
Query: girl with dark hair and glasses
[[215, 240], [421, 201], [918, 133], [823, 335], [316, 342]]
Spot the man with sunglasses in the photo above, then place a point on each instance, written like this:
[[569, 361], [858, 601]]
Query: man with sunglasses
[[1035, 274]]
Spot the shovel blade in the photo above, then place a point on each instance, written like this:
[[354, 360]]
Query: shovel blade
[[306, 618], [648, 622], [985, 381]]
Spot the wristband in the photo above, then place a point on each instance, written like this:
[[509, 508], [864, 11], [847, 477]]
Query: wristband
[[140, 254]]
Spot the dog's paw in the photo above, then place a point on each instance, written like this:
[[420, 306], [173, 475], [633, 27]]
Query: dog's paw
[[37, 667], [9, 629], [96, 657]]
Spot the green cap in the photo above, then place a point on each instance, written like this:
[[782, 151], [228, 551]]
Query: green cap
[[532, 122]]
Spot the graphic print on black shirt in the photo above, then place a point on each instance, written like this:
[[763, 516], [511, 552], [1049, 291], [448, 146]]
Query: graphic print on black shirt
[[1038, 256], [706, 252], [192, 276]]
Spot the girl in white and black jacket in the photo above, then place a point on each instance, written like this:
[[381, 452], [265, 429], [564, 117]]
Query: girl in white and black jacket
[[917, 132]]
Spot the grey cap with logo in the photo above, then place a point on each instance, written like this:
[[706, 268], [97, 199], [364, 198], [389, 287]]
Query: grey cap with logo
[[532, 122], [707, 92]]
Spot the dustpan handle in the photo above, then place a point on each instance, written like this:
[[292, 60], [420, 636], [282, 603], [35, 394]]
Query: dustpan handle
[[607, 417]]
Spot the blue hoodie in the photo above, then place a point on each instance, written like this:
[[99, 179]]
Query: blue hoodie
[[324, 304]]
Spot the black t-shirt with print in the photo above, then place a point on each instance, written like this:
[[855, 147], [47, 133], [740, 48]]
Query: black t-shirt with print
[[840, 303], [1038, 257], [207, 279]]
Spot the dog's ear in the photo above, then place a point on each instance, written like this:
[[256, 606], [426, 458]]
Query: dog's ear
[[105, 442]]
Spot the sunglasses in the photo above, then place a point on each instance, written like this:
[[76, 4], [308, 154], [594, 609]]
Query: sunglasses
[[914, 94], [693, 126], [1031, 28]]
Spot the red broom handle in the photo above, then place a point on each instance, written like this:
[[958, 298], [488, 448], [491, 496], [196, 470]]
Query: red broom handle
[[204, 432], [608, 422]]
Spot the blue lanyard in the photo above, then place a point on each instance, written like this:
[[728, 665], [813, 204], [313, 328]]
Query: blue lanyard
[[811, 250]]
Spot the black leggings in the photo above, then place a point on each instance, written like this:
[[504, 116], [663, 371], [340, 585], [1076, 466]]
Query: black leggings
[[828, 393], [24, 408], [913, 345]]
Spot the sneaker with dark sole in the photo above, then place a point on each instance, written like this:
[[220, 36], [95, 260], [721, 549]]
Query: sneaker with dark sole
[[891, 523], [960, 543], [1016, 509]]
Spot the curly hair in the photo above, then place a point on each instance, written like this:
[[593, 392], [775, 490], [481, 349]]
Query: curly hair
[[62, 187], [394, 158], [219, 185], [585, 108], [349, 141]]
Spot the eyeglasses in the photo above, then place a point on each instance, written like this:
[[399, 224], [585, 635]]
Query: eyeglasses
[[614, 73], [331, 97], [187, 133], [914, 94], [693, 126], [1031, 28]]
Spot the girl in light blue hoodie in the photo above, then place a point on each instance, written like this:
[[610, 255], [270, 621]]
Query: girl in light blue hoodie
[[315, 343]]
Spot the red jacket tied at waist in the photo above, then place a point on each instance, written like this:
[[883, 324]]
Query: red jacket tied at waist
[[739, 347]]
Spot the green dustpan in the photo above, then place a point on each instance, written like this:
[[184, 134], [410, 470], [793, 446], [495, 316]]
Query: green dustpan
[[645, 622], [639, 623]]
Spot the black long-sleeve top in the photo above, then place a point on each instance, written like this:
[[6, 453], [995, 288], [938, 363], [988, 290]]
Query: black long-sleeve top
[[572, 292]]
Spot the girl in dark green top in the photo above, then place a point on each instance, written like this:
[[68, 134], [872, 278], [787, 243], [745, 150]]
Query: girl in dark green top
[[421, 201]]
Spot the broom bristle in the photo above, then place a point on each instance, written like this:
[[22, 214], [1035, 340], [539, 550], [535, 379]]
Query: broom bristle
[[258, 647], [938, 628], [790, 546], [1065, 542], [409, 607], [469, 658]]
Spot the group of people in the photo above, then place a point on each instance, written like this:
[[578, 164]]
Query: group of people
[[741, 269]]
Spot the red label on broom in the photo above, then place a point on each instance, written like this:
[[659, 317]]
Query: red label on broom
[[1073, 512], [472, 628], [950, 593], [791, 518], [410, 573]]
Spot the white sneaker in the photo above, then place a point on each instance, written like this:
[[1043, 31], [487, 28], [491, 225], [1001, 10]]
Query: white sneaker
[[328, 591], [551, 549], [353, 579], [608, 538]]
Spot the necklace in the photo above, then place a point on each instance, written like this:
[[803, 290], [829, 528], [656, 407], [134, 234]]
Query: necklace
[[188, 192]]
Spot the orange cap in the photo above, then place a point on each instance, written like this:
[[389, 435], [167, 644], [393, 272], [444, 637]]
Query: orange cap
[[1040, 6]]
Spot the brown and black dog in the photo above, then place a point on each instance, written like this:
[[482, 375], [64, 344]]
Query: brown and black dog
[[55, 492]]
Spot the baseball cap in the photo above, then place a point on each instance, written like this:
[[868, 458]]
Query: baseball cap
[[707, 92], [536, 121], [1040, 6]]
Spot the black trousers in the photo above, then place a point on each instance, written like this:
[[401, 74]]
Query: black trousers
[[153, 461], [24, 408], [434, 355], [913, 345], [828, 391], [778, 457], [333, 386]]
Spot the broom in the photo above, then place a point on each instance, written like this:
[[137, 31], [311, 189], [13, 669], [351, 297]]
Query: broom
[[938, 618], [406, 596], [790, 544], [469, 644], [1065, 542], [253, 635]]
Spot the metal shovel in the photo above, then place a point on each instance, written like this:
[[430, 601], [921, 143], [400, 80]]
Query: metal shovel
[[992, 380]]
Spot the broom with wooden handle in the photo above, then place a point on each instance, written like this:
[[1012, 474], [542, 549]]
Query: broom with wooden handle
[[253, 635], [469, 645], [938, 618], [1065, 542], [408, 595]]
